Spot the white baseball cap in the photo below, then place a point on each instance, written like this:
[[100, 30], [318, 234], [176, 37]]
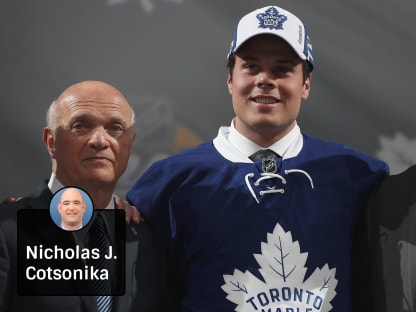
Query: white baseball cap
[[276, 21]]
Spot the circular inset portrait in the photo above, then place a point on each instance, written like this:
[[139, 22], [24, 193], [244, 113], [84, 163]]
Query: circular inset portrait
[[71, 208]]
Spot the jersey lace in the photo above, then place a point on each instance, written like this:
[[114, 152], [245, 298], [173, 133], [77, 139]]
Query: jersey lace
[[272, 189]]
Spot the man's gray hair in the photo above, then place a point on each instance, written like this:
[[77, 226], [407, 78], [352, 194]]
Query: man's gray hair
[[51, 121]]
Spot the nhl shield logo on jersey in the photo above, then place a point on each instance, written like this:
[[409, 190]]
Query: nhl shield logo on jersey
[[268, 165], [271, 19], [283, 287]]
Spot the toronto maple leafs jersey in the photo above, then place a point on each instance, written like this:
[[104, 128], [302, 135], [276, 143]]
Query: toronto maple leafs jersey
[[242, 238]]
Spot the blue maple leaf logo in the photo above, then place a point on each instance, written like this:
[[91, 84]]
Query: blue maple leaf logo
[[271, 19]]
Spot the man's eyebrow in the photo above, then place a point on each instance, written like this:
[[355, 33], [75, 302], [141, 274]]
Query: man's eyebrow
[[118, 119], [78, 116], [249, 58], [68, 201], [86, 116]]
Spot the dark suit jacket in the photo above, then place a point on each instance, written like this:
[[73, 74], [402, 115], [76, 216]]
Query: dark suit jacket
[[144, 267], [384, 262]]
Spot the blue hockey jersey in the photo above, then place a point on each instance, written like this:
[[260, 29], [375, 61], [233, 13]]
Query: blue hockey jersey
[[242, 239]]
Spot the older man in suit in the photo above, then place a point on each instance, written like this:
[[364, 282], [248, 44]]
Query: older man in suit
[[89, 136]]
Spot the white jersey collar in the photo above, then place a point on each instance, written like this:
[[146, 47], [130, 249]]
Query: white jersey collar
[[235, 147]]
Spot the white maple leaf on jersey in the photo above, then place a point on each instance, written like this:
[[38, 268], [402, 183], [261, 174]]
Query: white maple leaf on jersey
[[284, 288]]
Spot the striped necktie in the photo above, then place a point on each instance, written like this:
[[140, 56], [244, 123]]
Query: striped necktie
[[97, 239]]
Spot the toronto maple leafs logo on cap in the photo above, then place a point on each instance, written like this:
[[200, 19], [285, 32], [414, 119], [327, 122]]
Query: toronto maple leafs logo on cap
[[271, 19], [275, 21]]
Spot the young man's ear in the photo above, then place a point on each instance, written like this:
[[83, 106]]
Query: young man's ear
[[306, 86], [230, 84]]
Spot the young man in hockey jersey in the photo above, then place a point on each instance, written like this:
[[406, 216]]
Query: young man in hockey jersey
[[272, 234]]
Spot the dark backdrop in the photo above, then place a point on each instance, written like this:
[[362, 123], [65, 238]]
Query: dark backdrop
[[169, 58]]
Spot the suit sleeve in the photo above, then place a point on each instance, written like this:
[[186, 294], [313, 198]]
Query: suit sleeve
[[155, 291], [4, 271], [367, 278]]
